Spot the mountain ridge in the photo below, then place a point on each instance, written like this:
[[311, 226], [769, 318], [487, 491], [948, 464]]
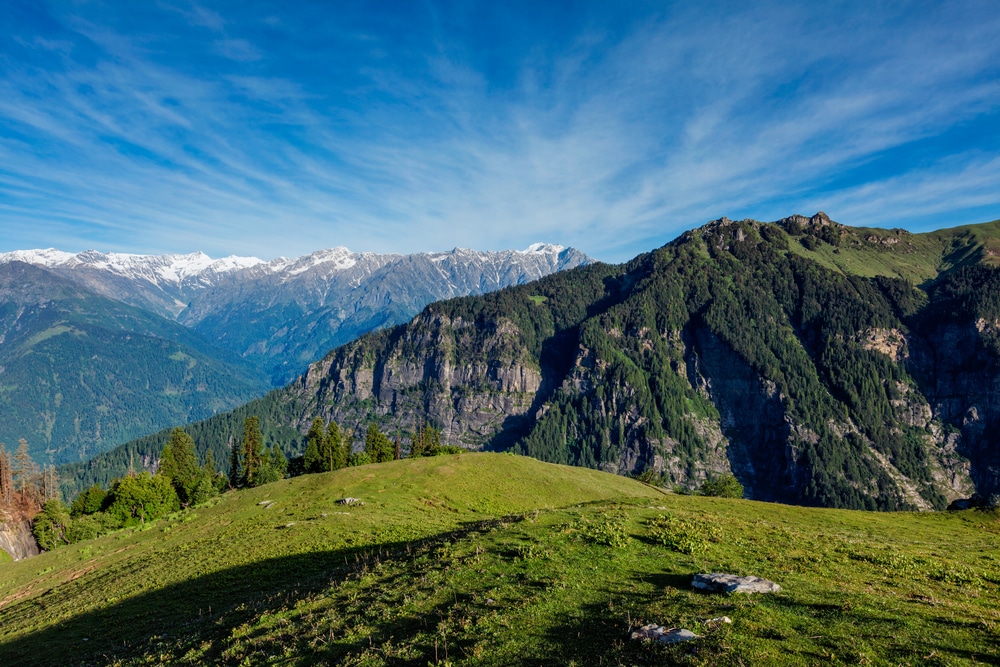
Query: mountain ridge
[[285, 313], [740, 346]]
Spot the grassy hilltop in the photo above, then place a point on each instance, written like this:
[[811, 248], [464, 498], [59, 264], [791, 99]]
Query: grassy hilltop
[[492, 559]]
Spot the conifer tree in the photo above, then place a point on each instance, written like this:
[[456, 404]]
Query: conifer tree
[[279, 461], [180, 463], [316, 445], [251, 451], [50, 483], [235, 466], [25, 469], [6, 477], [417, 441], [377, 446], [334, 453]]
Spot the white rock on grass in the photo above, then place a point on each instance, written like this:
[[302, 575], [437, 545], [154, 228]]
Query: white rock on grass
[[658, 633], [719, 582], [350, 501]]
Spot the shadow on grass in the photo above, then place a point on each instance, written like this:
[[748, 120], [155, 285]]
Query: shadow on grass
[[207, 610]]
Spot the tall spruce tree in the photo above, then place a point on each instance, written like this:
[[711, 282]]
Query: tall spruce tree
[[6, 477], [180, 463], [334, 455], [235, 465], [377, 446], [251, 451], [314, 460], [25, 469]]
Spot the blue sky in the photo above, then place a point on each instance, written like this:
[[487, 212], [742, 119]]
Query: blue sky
[[267, 128]]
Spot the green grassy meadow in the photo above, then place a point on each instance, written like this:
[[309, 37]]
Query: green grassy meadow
[[486, 559]]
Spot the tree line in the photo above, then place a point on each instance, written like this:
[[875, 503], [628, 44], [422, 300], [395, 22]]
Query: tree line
[[181, 481]]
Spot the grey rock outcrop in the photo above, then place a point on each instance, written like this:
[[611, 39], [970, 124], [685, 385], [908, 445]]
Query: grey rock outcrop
[[719, 582], [17, 540], [659, 633]]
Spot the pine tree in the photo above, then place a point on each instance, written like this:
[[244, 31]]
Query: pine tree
[[50, 483], [6, 477], [279, 461], [398, 454], [235, 466], [251, 451], [25, 469], [417, 447], [334, 453], [180, 463], [314, 461], [377, 446]]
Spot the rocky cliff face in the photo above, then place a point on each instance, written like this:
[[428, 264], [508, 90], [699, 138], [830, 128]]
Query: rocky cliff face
[[16, 538]]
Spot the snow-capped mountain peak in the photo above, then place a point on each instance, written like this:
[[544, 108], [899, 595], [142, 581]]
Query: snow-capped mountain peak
[[542, 249], [154, 268]]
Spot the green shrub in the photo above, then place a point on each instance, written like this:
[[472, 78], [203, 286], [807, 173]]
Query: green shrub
[[49, 527], [607, 531], [724, 486], [358, 459], [681, 535], [141, 498], [83, 528]]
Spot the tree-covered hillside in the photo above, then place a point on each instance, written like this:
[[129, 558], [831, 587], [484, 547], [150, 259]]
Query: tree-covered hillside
[[821, 364], [80, 373]]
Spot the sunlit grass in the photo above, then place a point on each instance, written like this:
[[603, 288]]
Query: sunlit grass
[[498, 560]]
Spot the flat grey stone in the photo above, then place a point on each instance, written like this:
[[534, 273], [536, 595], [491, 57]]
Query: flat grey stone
[[658, 633], [719, 582]]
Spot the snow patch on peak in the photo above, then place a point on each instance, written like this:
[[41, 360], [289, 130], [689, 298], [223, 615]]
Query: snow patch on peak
[[153, 268], [542, 249], [46, 257], [340, 257], [234, 263]]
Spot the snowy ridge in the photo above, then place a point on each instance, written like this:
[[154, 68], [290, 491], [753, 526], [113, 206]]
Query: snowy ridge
[[541, 249], [153, 268], [177, 269]]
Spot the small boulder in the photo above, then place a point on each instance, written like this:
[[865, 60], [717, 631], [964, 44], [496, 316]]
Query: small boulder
[[658, 633], [718, 582], [350, 501]]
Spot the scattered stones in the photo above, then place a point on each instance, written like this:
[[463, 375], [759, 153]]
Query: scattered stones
[[350, 501], [490, 602], [287, 525], [266, 503], [718, 621], [718, 582], [658, 633]]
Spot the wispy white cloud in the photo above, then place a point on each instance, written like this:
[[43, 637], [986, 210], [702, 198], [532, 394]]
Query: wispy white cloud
[[612, 143]]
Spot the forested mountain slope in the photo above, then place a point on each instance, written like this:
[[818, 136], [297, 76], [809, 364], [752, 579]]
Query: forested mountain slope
[[822, 364], [80, 373]]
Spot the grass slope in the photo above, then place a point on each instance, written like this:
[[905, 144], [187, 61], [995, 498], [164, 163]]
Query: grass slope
[[919, 258], [495, 560]]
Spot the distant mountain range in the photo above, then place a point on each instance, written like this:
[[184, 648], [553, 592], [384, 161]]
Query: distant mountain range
[[283, 314], [97, 348], [80, 372], [822, 364]]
